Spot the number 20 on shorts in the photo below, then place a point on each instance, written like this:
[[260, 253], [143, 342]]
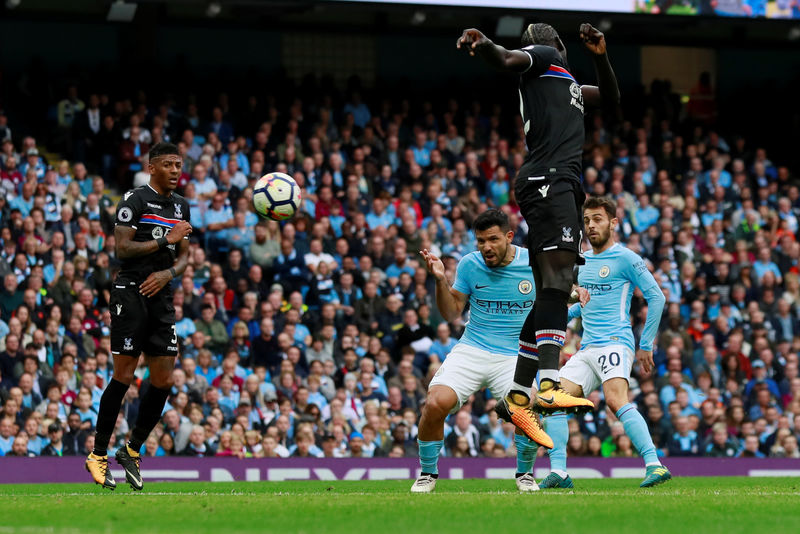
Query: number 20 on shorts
[[607, 362]]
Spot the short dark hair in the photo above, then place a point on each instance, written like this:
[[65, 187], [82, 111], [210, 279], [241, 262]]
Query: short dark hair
[[163, 149], [542, 34], [602, 202], [489, 218]]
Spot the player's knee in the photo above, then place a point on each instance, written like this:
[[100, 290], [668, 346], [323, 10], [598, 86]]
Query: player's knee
[[561, 280], [162, 382], [125, 376], [437, 407]]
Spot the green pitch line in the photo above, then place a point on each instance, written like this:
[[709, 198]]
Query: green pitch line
[[684, 505]]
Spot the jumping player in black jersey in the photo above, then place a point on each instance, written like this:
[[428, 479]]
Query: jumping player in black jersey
[[550, 197], [151, 231]]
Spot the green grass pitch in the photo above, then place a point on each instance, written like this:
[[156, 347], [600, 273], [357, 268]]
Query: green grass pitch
[[684, 505]]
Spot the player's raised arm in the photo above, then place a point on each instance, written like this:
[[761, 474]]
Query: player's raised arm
[[473, 41], [449, 301], [606, 93]]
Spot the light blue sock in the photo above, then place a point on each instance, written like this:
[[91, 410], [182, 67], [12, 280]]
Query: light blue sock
[[556, 426], [636, 428], [429, 455], [526, 453]]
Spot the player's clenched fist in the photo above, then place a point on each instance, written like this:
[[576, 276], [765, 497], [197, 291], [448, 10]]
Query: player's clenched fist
[[178, 232], [593, 38], [470, 40], [433, 264]]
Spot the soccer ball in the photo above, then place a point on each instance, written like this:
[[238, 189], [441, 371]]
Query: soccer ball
[[276, 196]]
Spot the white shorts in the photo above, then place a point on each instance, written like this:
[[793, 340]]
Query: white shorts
[[592, 366], [468, 369]]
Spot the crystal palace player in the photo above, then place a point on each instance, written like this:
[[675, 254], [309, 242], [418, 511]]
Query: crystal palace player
[[151, 232], [611, 274], [549, 194]]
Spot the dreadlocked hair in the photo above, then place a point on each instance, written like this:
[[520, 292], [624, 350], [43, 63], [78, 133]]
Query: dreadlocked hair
[[541, 34]]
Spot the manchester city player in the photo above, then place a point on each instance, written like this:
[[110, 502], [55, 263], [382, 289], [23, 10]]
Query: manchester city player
[[497, 282], [611, 274]]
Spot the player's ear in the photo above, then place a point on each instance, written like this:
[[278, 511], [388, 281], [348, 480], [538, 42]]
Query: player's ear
[[510, 235]]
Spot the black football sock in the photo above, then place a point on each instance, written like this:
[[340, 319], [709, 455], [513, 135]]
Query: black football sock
[[551, 326], [149, 414], [110, 403], [527, 357]]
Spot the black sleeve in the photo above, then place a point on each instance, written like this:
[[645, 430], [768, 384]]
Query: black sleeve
[[129, 210], [541, 59]]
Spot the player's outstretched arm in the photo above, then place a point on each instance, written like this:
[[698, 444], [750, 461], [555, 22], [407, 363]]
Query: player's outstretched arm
[[606, 93], [473, 41], [449, 301]]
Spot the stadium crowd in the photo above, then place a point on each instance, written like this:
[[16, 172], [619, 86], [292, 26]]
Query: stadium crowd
[[317, 337]]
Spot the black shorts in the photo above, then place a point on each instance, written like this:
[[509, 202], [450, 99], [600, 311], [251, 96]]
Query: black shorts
[[142, 324], [552, 207]]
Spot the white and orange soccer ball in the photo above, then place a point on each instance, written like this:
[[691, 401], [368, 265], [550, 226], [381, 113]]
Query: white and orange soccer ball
[[276, 196]]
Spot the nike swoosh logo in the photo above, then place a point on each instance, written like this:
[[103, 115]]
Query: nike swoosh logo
[[480, 287], [547, 401], [137, 480]]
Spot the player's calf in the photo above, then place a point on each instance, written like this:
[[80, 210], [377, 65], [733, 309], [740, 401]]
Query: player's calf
[[438, 404]]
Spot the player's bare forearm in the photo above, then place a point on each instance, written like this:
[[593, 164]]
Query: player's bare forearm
[[183, 258], [128, 248], [473, 41], [447, 303], [606, 80], [501, 59]]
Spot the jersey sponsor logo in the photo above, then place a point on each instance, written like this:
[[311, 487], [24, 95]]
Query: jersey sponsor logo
[[604, 271], [480, 287], [543, 190], [125, 214], [595, 289], [128, 344], [566, 234], [154, 206], [525, 287], [503, 307], [178, 213], [127, 195], [577, 96], [157, 232]]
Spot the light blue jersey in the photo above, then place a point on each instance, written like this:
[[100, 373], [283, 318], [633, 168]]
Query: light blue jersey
[[499, 301], [611, 277]]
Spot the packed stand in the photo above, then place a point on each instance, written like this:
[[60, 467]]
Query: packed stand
[[317, 337]]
